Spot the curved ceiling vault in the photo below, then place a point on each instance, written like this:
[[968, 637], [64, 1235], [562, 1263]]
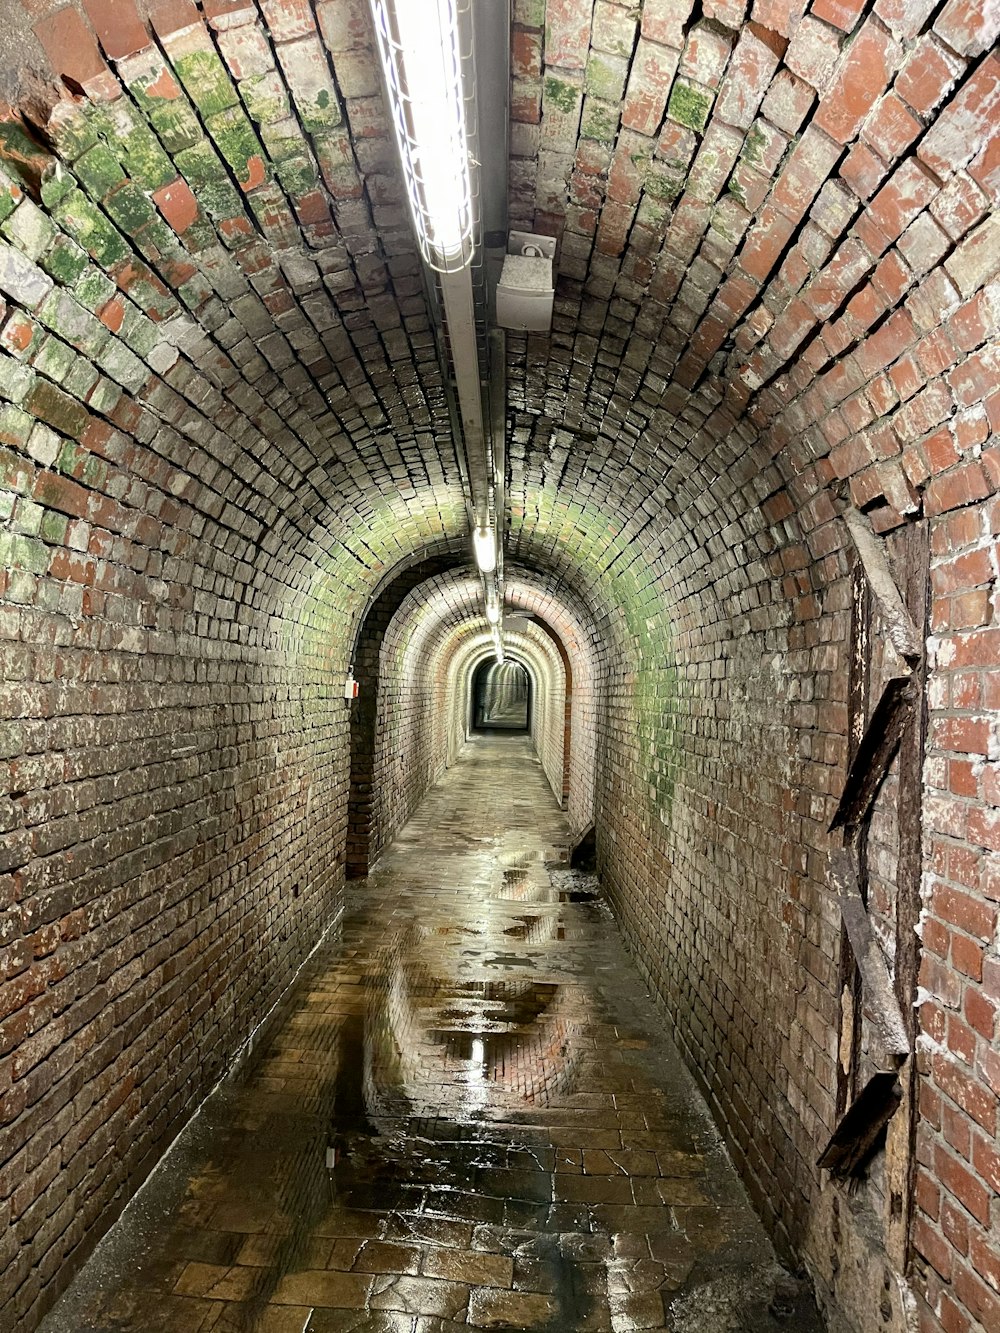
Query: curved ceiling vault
[[226, 449], [255, 290]]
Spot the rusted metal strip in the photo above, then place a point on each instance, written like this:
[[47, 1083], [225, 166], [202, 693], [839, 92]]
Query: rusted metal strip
[[899, 626], [876, 750], [859, 1130], [879, 996]]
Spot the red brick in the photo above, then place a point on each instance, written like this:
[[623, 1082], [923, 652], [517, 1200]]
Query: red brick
[[986, 1160], [969, 27], [891, 128], [932, 1245], [985, 1256], [780, 16], [788, 102], [955, 1225], [870, 61], [842, 14], [177, 204], [119, 28], [567, 34], [650, 80], [962, 910], [909, 190], [981, 1014], [754, 61], [765, 242], [71, 47], [983, 1303], [980, 1104], [706, 54], [928, 74], [962, 486], [863, 171], [813, 53], [170, 16], [664, 21], [966, 123], [904, 18]]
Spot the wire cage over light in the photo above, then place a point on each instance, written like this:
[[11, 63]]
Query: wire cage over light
[[420, 45]]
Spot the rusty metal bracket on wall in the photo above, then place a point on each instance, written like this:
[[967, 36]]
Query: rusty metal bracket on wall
[[861, 1124]]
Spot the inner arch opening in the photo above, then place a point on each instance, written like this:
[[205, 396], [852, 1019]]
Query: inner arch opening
[[501, 697]]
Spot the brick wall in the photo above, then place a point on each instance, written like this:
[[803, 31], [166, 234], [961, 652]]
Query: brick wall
[[172, 849], [223, 427], [778, 295]]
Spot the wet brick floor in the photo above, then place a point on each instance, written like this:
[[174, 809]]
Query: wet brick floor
[[468, 1117]]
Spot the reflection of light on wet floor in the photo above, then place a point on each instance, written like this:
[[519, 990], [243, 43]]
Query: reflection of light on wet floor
[[465, 1120]]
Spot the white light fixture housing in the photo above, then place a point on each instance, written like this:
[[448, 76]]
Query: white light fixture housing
[[493, 612], [526, 290], [419, 45], [484, 544]]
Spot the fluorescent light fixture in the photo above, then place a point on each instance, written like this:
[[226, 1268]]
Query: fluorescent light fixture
[[484, 544], [493, 613], [418, 43]]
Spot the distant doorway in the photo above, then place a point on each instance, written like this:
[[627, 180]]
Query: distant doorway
[[501, 697]]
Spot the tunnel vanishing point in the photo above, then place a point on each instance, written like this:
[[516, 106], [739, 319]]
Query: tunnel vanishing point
[[745, 491]]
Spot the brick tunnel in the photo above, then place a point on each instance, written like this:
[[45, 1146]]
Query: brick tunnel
[[743, 491]]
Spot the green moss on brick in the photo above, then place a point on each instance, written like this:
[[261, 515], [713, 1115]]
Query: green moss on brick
[[19, 552], [236, 140], [600, 119], [203, 171], [7, 203], [651, 213], [752, 145], [206, 80], [263, 103], [689, 106], [91, 229], [64, 261], [56, 408], [130, 208], [57, 183], [93, 288], [322, 114], [562, 95], [54, 359], [146, 162], [99, 171], [605, 76], [283, 140], [176, 125], [297, 175], [663, 184], [54, 527]]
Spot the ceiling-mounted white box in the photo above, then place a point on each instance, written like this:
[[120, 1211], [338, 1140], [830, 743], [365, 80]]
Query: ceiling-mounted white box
[[526, 287]]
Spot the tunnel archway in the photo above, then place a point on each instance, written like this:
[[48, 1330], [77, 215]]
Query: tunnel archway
[[500, 697], [416, 651]]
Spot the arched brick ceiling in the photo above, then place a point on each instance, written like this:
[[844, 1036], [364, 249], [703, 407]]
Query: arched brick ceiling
[[440, 613], [224, 430], [763, 218], [438, 634]]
